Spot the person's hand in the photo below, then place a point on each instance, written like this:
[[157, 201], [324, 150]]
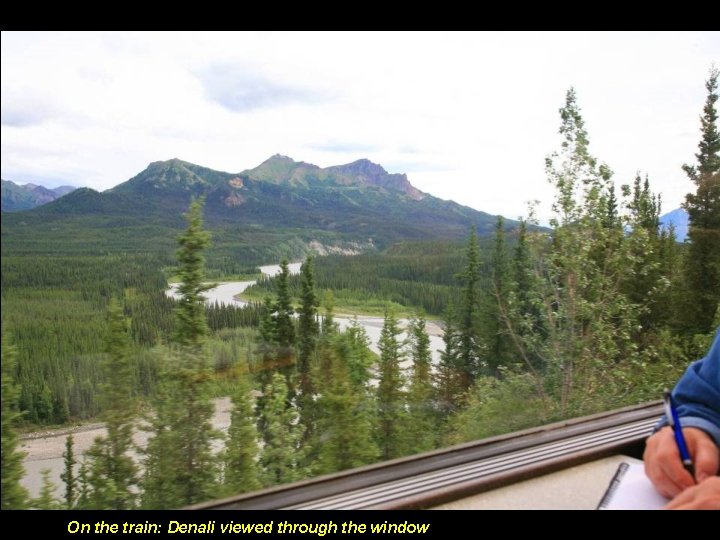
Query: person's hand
[[663, 465], [704, 496]]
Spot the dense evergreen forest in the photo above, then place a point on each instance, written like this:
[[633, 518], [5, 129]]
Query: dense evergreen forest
[[55, 310], [603, 310], [406, 276]]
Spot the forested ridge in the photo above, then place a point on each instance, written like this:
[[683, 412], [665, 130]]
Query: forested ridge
[[603, 310], [410, 275], [280, 208]]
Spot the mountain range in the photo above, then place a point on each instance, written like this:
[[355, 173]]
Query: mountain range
[[356, 206], [16, 197]]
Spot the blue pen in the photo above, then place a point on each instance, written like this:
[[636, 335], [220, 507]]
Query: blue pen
[[674, 421]]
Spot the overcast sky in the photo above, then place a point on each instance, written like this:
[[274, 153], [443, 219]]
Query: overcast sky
[[468, 116]]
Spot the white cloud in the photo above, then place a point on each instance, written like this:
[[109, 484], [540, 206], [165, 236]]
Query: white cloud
[[469, 116]]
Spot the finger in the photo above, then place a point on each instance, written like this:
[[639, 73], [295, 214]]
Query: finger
[[667, 486], [705, 496], [660, 479], [674, 505], [686, 506], [707, 460], [667, 471], [675, 474], [661, 448], [683, 501]]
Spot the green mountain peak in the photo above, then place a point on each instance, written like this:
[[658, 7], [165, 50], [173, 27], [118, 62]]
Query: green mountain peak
[[281, 202]]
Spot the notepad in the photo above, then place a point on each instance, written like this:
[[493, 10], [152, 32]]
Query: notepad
[[630, 489]]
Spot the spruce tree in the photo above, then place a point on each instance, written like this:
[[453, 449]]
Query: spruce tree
[[83, 501], [328, 326], [708, 156], [702, 263], [240, 456], [46, 500], [611, 219], [68, 475], [281, 455], [421, 427], [668, 301], [344, 437], [356, 352], [180, 466], [284, 325], [112, 473], [308, 328], [644, 206], [267, 329], [13, 494], [163, 480], [449, 390], [646, 283], [526, 311], [498, 348], [351, 349], [390, 395], [267, 343], [190, 323], [469, 354], [522, 262]]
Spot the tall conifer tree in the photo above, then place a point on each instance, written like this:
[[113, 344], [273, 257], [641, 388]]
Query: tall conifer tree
[[421, 427], [498, 348], [112, 473], [180, 466], [449, 391], [390, 394], [470, 349], [280, 457], [13, 494], [68, 475], [241, 450], [308, 328], [46, 500], [343, 435], [702, 263], [284, 326], [190, 320]]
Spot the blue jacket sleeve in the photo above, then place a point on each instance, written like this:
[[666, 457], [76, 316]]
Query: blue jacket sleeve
[[697, 393]]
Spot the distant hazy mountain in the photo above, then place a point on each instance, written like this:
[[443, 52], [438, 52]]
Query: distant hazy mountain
[[281, 202], [679, 219], [17, 197], [63, 190]]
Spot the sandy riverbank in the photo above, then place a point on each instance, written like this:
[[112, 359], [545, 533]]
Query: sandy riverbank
[[44, 449]]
